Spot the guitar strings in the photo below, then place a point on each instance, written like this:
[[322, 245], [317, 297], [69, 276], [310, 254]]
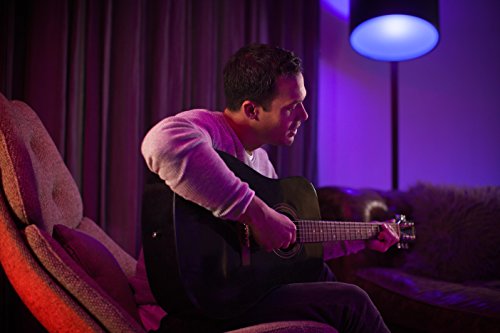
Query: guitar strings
[[313, 231]]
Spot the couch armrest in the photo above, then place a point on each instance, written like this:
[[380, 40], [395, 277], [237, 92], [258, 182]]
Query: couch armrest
[[363, 205]]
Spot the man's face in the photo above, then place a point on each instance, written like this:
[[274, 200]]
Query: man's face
[[280, 122]]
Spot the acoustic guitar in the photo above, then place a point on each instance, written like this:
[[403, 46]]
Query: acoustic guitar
[[198, 264]]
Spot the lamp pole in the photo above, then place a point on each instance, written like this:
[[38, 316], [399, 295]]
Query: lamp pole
[[394, 125]]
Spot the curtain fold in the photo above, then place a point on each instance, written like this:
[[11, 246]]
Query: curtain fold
[[100, 73]]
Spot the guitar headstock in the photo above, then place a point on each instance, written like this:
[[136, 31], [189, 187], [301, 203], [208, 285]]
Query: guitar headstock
[[406, 232]]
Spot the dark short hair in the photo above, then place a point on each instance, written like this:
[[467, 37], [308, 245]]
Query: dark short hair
[[251, 73]]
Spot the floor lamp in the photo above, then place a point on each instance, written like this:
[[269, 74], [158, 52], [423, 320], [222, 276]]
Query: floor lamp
[[394, 31]]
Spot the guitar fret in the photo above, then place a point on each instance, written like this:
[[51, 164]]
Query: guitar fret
[[310, 231]]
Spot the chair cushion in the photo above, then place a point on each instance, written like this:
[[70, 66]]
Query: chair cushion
[[98, 263], [37, 184], [78, 283]]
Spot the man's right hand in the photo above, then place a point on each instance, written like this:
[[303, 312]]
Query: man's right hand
[[270, 229]]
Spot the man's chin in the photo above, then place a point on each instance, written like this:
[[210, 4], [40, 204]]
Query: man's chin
[[289, 141]]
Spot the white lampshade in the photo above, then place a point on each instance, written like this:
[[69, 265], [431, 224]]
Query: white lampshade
[[390, 30]]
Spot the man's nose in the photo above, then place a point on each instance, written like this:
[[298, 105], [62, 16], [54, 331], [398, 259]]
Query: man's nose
[[303, 113]]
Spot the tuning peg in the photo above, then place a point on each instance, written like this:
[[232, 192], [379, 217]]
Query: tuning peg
[[403, 246], [400, 218]]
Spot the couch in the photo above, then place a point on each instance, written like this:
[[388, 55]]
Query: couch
[[449, 278]]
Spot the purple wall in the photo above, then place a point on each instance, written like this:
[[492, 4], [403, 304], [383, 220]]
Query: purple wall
[[449, 104]]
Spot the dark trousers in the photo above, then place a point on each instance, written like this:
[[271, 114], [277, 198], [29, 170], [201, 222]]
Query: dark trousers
[[343, 306]]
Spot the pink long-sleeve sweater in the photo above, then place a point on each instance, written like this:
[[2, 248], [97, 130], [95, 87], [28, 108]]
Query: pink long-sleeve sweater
[[181, 150]]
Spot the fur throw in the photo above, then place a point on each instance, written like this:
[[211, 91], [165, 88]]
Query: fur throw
[[458, 232]]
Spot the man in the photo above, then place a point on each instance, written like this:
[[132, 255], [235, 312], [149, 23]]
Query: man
[[265, 91]]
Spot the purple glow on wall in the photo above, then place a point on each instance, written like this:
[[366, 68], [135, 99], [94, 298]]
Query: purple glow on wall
[[353, 124], [449, 105], [449, 102], [339, 8]]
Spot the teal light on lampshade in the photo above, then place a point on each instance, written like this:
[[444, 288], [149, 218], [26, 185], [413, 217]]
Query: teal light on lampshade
[[390, 30]]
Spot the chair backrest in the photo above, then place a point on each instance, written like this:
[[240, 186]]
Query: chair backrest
[[37, 184], [39, 193]]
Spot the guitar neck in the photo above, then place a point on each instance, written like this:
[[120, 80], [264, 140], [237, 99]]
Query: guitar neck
[[325, 231]]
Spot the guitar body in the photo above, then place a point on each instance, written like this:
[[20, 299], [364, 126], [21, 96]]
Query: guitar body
[[195, 261]]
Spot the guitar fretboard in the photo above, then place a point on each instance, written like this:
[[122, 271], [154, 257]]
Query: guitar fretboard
[[309, 231]]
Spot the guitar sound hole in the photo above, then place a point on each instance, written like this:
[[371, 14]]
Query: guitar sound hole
[[295, 248], [289, 252]]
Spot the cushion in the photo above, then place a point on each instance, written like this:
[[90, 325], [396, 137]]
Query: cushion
[[457, 231], [411, 303], [98, 263], [126, 261], [78, 283], [483, 299]]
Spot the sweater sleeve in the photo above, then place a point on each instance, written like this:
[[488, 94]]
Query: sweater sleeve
[[332, 250], [183, 155]]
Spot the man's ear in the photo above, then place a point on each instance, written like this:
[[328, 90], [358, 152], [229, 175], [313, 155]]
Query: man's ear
[[251, 110]]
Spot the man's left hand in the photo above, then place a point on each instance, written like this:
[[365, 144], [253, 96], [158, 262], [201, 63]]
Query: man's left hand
[[384, 240]]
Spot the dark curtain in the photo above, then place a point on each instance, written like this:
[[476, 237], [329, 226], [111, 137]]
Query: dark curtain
[[100, 73]]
